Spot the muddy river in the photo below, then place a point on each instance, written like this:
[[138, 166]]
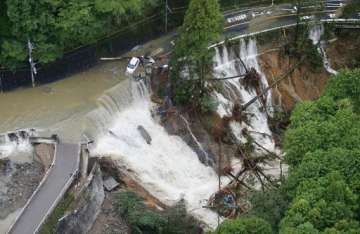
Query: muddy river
[[59, 107]]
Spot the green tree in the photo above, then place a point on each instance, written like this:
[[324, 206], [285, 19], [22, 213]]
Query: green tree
[[55, 26], [320, 125], [124, 10], [321, 162], [269, 205], [306, 228], [5, 25], [322, 150], [345, 85], [141, 219], [244, 225], [191, 61], [323, 202], [13, 53], [35, 20]]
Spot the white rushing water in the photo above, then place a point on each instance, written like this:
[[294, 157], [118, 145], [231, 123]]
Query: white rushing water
[[226, 65], [315, 35], [167, 168], [16, 145]]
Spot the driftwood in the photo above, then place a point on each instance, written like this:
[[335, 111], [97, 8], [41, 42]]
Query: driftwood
[[246, 105], [251, 79]]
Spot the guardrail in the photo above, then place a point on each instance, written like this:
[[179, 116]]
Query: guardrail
[[63, 191], [283, 27]]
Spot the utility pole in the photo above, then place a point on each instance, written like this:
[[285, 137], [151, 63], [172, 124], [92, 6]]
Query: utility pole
[[1, 86], [166, 16], [167, 11], [32, 64]]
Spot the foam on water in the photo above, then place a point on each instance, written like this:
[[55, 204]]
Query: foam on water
[[168, 168], [16, 146], [227, 65]]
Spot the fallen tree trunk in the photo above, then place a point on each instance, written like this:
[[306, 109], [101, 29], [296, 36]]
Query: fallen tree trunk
[[246, 105]]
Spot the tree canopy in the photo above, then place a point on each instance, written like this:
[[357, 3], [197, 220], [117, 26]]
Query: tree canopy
[[192, 60], [323, 152], [55, 26], [244, 225], [321, 191]]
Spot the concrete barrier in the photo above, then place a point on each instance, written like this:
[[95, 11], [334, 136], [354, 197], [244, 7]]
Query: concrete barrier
[[282, 27], [63, 191]]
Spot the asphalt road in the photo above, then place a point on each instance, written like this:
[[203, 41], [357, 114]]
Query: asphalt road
[[238, 22], [65, 166]]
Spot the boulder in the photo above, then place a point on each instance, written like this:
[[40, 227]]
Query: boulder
[[144, 134]]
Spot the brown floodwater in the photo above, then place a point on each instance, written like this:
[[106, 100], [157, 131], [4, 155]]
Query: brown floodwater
[[59, 107], [62, 107]]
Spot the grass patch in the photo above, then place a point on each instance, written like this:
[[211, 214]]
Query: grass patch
[[50, 224]]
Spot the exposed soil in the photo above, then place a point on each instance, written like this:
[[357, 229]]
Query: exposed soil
[[345, 52], [44, 154], [303, 84]]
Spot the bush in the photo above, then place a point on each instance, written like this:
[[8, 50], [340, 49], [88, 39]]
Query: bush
[[139, 218], [322, 150], [313, 57], [245, 225], [51, 222], [269, 205], [345, 85], [142, 219]]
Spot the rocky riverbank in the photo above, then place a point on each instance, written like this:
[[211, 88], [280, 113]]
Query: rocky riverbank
[[20, 175], [17, 183]]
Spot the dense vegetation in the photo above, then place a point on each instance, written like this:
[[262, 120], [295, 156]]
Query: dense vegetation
[[191, 60], [142, 219], [322, 146], [246, 225], [56, 26]]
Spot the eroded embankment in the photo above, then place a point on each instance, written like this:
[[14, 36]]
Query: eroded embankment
[[188, 149]]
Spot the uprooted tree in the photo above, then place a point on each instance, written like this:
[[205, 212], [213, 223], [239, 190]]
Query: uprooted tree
[[191, 61]]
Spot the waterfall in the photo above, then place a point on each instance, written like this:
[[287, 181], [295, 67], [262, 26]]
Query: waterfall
[[167, 168], [315, 34], [227, 65], [16, 144], [203, 155]]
